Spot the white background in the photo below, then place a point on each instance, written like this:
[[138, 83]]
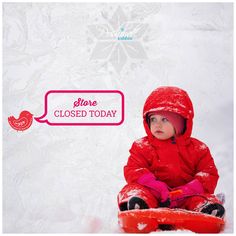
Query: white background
[[65, 179]]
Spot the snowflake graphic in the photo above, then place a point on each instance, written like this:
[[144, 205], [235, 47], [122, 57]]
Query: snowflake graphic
[[118, 40]]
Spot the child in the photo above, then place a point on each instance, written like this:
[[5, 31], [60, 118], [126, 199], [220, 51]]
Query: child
[[168, 160]]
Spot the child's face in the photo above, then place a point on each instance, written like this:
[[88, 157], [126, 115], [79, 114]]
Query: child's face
[[161, 128]]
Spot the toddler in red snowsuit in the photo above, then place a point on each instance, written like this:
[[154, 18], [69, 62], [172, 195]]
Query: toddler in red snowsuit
[[168, 160]]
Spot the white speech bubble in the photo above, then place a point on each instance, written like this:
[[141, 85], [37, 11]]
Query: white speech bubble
[[83, 107]]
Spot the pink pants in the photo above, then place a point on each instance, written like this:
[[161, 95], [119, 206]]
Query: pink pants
[[193, 203]]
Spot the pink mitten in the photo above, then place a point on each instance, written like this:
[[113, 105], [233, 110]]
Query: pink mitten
[[193, 187], [189, 189], [158, 188]]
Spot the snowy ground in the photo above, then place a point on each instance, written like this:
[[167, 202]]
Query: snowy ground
[[65, 179]]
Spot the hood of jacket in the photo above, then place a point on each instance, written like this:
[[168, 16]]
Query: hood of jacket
[[172, 99]]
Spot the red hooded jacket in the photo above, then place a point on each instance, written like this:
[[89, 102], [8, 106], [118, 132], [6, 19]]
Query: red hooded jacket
[[175, 163]]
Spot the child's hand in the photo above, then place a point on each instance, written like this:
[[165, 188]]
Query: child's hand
[[158, 188], [191, 188], [178, 195]]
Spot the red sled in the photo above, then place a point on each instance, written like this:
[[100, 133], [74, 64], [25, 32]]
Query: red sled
[[149, 220]]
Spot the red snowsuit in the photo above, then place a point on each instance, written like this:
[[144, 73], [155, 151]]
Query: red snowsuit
[[173, 162]]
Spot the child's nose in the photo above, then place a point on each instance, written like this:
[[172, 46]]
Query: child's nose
[[159, 124]]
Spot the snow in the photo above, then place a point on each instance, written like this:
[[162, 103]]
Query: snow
[[141, 226], [202, 174], [61, 179], [141, 143], [203, 146]]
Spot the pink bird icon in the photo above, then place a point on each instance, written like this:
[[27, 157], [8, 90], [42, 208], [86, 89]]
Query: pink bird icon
[[23, 122]]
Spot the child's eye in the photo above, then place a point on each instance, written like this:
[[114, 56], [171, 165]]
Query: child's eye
[[164, 119], [152, 119]]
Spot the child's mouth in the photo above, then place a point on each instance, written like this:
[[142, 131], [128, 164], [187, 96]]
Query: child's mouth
[[159, 132]]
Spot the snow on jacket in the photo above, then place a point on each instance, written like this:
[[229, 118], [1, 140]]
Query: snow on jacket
[[175, 163]]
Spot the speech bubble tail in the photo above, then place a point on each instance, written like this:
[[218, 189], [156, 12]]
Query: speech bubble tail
[[40, 119]]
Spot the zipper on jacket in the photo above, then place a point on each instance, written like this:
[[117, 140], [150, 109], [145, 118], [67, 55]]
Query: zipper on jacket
[[173, 141]]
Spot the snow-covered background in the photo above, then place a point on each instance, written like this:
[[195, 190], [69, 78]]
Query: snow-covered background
[[66, 179]]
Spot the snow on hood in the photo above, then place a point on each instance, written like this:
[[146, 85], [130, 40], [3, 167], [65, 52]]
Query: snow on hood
[[171, 99]]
